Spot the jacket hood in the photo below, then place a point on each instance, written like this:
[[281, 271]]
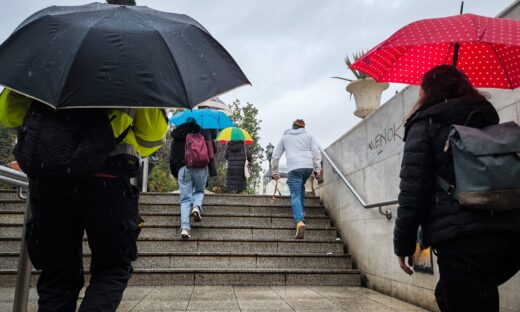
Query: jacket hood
[[180, 132], [235, 146], [295, 131], [466, 110]]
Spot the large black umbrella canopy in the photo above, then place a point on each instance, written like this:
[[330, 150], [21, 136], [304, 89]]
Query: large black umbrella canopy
[[101, 55]]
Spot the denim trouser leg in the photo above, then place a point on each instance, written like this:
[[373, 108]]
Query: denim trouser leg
[[199, 177], [296, 182], [192, 182], [186, 191]]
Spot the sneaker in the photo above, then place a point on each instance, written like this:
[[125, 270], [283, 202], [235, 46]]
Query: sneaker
[[195, 212], [300, 230], [185, 234]]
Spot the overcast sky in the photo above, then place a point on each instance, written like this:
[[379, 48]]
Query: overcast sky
[[289, 49]]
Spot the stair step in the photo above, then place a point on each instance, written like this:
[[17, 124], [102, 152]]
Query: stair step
[[172, 260], [218, 245], [228, 277], [227, 199], [238, 210], [149, 232]]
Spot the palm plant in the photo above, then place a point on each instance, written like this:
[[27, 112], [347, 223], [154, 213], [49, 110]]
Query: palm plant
[[359, 75]]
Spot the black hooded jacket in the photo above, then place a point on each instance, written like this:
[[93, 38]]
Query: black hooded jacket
[[236, 154], [421, 201], [177, 157]]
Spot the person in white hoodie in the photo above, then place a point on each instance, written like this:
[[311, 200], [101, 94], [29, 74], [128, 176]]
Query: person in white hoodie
[[303, 158]]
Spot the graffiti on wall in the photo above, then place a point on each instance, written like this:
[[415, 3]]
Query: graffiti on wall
[[383, 137]]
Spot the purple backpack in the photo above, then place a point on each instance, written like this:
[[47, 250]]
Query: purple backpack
[[196, 151]]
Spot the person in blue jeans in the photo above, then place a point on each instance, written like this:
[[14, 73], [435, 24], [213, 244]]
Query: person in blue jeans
[[303, 159], [192, 181]]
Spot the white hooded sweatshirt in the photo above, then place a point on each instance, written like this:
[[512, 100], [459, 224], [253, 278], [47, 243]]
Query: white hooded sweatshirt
[[302, 151]]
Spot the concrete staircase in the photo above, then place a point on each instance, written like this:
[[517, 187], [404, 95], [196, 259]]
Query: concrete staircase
[[242, 240]]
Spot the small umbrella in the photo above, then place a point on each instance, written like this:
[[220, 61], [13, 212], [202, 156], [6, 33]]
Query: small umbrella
[[101, 55], [234, 134], [486, 49], [205, 118]]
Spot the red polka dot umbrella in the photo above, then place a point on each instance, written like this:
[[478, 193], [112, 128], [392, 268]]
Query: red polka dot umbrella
[[486, 49]]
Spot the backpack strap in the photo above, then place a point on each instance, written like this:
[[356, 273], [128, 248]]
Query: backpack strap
[[123, 135], [446, 186]]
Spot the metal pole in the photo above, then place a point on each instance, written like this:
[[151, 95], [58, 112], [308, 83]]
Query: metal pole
[[23, 278], [144, 188]]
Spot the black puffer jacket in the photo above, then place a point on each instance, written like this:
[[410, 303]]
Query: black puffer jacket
[[177, 157], [236, 154], [421, 201]]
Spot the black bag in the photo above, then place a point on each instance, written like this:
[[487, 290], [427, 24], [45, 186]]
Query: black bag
[[64, 143], [487, 167]]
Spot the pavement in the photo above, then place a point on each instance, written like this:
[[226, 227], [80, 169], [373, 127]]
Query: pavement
[[243, 298]]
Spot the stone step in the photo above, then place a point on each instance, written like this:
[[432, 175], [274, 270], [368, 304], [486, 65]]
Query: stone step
[[207, 232], [228, 199], [210, 219], [172, 260], [14, 207], [217, 199], [212, 245], [229, 276]]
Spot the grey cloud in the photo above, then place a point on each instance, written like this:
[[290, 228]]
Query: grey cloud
[[290, 48]]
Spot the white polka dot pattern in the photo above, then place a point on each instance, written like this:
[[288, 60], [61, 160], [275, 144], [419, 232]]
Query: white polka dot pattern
[[489, 51]]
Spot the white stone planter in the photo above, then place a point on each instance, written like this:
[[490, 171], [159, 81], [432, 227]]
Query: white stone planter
[[367, 94]]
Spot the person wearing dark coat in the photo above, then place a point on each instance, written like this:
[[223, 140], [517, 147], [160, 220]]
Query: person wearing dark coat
[[192, 181], [476, 250], [236, 155]]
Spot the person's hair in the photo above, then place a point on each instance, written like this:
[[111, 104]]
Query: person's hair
[[441, 83]]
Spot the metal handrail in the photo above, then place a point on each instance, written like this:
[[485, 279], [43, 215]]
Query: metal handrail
[[387, 213], [23, 277]]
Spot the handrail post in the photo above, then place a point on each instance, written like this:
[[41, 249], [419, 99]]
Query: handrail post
[[23, 277], [145, 175]]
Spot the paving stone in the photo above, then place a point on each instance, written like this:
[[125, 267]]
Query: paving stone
[[264, 305], [159, 305]]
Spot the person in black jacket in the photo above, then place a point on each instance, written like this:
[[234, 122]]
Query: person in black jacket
[[192, 181], [236, 155], [476, 250]]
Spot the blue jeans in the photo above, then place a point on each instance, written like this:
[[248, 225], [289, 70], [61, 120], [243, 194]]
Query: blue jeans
[[296, 181], [192, 182]]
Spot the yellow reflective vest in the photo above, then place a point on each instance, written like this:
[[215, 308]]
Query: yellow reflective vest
[[147, 126]]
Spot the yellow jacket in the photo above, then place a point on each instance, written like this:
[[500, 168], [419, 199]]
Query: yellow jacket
[[148, 126]]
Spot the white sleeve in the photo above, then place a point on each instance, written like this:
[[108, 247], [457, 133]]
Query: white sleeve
[[316, 153], [278, 152]]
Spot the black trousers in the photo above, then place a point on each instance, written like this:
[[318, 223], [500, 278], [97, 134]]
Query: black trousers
[[107, 210], [472, 268]]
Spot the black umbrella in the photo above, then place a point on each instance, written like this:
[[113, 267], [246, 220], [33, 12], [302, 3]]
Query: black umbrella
[[101, 55]]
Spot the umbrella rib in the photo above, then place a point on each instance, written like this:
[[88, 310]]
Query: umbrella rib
[[67, 72], [177, 67], [172, 57], [503, 67]]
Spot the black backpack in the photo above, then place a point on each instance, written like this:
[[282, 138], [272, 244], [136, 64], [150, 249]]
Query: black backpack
[[487, 167], [64, 143]]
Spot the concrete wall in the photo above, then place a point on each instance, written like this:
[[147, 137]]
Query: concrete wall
[[369, 155]]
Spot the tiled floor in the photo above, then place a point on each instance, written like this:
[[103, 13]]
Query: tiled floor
[[227, 298]]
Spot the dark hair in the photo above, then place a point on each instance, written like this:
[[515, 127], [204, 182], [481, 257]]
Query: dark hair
[[441, 83]]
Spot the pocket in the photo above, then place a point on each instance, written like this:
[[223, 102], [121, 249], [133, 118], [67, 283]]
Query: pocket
[[37, 240], [129, 234]]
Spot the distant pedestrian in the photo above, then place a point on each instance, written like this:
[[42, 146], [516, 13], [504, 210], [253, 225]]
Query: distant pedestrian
[[189, 160], [303, 159], [236, 155], [477, 250]]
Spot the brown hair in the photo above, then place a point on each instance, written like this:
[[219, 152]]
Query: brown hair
[[441, 83]]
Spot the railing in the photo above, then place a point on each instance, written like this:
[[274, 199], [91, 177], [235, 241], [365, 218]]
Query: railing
[[387, 213], [21, 293]]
